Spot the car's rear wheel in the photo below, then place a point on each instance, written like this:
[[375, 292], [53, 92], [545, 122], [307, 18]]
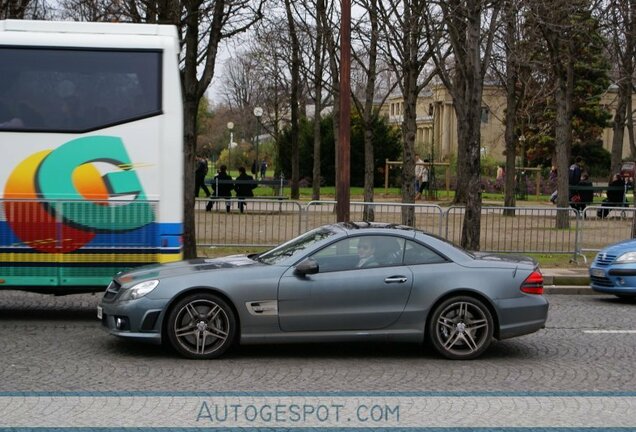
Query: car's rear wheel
[[201, 326], [461, 328]]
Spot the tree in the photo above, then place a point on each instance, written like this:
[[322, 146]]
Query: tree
[[560, 28], [367, 107], [464, 78], [386, 145], [24, 9], [408, 51], [620, 34], [203, 25], [295, 99]]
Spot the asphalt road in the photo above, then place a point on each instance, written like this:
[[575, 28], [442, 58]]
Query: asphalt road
[[56, 344]]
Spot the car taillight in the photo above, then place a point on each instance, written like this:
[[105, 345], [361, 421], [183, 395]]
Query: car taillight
[[533, 283]]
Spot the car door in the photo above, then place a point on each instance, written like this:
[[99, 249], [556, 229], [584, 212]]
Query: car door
[[342, 296]]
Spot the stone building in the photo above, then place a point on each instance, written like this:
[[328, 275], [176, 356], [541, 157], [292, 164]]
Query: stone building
[[437, 124]]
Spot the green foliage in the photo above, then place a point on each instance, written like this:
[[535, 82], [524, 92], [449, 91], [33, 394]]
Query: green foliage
[[596, 159], [489, 166], [591, 72], [386, 145]]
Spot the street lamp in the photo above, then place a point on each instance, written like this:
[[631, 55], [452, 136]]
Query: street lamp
[[258, 112], [230, 126]]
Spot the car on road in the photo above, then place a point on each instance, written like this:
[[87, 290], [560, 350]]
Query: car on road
[[613, 270], [353, 281]]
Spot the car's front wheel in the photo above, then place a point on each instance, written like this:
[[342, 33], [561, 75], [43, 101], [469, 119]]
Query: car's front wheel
[[201, 326], [461, 328]]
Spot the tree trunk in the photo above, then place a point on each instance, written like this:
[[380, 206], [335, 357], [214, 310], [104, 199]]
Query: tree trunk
[[409, 127], [469, 131], [512, 107], [294, 100], [369, 114], [189, 85], [618, 128], [562, 134], [318, 68], [335, 90]]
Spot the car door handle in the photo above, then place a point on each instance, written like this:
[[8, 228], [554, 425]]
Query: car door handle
[[396, 279]]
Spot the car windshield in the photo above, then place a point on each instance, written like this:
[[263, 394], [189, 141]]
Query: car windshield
[[296, 246]]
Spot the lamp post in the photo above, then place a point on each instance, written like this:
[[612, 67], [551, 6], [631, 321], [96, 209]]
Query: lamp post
[[258, 112], [230, 126], [522, 192]]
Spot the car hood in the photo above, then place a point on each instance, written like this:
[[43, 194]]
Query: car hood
[[619, 248], [179, 268]]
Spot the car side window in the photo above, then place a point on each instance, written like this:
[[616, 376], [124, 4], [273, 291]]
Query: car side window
[[338, 256], [360, 252], [416, 253]]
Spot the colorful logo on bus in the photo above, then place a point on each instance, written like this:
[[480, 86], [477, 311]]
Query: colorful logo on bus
[[72, 194]]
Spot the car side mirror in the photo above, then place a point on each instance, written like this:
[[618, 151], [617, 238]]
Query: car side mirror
[[307, 267]]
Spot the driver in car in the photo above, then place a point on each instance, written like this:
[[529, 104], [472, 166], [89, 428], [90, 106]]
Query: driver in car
[[366, 251]]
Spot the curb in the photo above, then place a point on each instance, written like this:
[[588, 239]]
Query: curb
[[569, 289], [577, 284]]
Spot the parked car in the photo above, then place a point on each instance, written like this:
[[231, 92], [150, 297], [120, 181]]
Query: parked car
[[324, 286], [614, 270]]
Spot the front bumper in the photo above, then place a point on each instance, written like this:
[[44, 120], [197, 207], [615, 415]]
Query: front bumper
[[139, 319], [614, 279]]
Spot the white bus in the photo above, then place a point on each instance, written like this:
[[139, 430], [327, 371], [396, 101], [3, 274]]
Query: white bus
[[91, 136]]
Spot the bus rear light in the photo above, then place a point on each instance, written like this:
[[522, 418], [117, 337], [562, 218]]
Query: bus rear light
[[533, 283]]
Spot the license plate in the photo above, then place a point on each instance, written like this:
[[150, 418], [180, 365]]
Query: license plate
[[99, 312], [598, 272]]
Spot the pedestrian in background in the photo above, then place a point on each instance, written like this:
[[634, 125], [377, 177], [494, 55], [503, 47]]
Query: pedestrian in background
[[419, 166], [244, 186], [222, 187], [574, 177], [200, 172], [263, 168]]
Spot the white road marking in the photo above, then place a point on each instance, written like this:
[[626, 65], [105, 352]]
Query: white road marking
[[610, 331]]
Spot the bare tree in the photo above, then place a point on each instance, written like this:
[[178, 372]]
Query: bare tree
[[620, 23], [408, 51], [91, 10], [294, 99], [511, 66], [563, 27], [319, 53], [369, 108], [25, 9], [203, 25], [470, 27]]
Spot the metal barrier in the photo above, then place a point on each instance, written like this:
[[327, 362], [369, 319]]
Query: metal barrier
[[530, 230], [601, 226], [263, 223], [428, 217]]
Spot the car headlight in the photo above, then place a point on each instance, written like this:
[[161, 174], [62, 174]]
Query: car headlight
[[628, 257], [142, 288]]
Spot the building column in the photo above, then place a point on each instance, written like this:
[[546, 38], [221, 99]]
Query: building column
[[446, 130]]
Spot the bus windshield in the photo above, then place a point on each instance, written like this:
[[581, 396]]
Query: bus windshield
[[76, 90]]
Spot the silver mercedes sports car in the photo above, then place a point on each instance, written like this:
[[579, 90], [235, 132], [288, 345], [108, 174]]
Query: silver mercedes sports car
[[343, 282]]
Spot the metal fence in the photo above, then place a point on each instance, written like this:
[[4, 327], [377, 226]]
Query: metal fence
[[526, 229], [263, 222], [601, 226], [503, 229]]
